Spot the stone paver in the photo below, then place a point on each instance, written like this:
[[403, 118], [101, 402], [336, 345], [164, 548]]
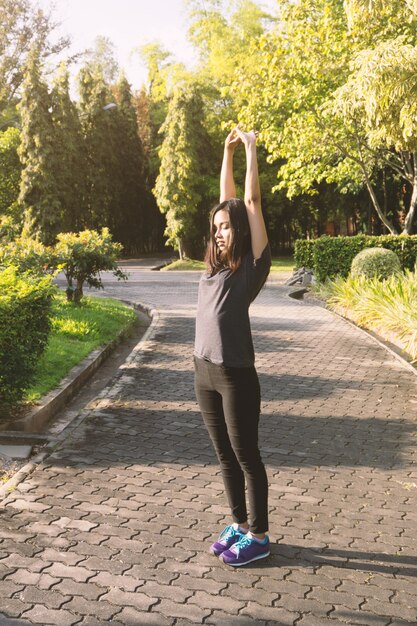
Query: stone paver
[[113, 527]]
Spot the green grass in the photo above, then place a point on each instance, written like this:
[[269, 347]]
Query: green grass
[[283, 264], [77, 331], [186, 264], [279, 264]]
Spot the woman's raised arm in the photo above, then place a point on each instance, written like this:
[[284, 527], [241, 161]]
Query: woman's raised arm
[[253, 194], [227, 181]]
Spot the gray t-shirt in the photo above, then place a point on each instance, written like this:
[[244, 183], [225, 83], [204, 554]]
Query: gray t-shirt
[[223, 334]]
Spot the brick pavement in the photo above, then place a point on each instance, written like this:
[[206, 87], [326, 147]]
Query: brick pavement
[[113, 527]]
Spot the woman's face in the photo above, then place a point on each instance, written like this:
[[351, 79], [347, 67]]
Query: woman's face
[[222, 230]]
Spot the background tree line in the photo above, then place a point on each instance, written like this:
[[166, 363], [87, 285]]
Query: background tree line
[[333, 102]]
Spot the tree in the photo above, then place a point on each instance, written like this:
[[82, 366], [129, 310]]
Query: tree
[[22, 26], [38, 196], [9, 168], [180, 188], [69, 154], [128, 215], [100, 142], [82, 256], [292, 97], [103, 56], [381, 92]]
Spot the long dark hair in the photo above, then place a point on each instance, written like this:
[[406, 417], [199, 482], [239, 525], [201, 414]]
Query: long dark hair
[[240, 240]]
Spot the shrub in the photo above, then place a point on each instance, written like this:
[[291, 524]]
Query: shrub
[[82, 256], [26, 254], [25, 303], [333, 256], [375, 262], [384, 306], [303, 253]]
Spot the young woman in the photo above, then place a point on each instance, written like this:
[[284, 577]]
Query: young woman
[[238, 260]]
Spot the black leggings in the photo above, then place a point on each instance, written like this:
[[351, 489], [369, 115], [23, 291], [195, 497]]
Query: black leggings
[[229, 399]]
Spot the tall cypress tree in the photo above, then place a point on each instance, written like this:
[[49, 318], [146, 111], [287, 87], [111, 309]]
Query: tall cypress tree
[[38, 196], [99, 144], [181, 186], [69, 157], [130, 202]]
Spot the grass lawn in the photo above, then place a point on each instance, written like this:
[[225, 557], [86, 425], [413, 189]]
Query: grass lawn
[[282, 264], [186, 264], [279, 264], [76, 331]]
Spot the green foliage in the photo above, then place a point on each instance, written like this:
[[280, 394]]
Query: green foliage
[[332, 256], [9, 168], [375, 262], [76, 331], [70, 165], [82, 256], [180, 188], [23, 25], [25, 302], [38, 188], [303, 253], [388, 306], [100, 145], [26, 254], [130, 204]]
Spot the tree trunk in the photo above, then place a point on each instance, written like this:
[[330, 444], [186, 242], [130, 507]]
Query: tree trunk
[[180, 249], [409, 218], [378, 209], [78, 292]]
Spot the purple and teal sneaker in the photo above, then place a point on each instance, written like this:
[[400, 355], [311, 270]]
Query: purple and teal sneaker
[[246, 550], [227, 538]]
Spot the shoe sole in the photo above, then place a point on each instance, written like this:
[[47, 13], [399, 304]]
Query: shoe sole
[[255, 558]]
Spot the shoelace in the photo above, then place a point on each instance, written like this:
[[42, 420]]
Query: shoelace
[[242, 543], [227, 533]]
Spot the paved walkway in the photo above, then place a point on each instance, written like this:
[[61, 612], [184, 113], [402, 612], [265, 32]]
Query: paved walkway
[[114, 526]]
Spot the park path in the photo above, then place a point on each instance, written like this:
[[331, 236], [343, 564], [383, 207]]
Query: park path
[[113, 527]]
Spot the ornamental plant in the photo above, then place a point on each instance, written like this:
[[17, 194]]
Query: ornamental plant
[[25, 303], [82, 256], [375, 262]]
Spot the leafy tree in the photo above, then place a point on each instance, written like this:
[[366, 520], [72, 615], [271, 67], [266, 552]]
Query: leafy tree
[[103, 56], [181, 186], [9, 168], [69, 153], [128, 215], [22, 26], [38, 188], [381, 93], [292, 98], [154, 222], [100, 143], [82, 256]]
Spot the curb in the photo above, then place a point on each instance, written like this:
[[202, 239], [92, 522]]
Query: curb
[[55, 441], [40, 416]]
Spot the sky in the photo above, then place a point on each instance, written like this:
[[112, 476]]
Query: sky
[[128, 24]]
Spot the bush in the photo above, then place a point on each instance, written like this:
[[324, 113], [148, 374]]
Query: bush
[[82, 256], [26, 254], [375, 263], [333, 256], [25, 303], [303, 253]]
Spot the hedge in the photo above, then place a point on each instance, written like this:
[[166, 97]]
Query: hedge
[[331, 256], [25, 304]]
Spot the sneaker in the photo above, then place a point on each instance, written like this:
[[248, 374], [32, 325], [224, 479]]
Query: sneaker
[[227, 538], [246, 550]]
